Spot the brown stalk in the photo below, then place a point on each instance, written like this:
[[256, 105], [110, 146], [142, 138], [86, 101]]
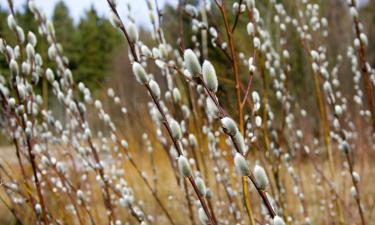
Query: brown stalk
[[221, 115], [190, 205], [245, 186], [28, 141], [355, 184], [164, 118], [148, 185], [368, 86], [233, 64]]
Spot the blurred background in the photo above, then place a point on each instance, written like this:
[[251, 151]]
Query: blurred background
[[97, 52]]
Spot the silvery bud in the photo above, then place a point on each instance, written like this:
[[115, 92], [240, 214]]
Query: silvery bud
[[250, 28], [192, 62], [258, 121], [353, 191], [277, 220], [193, 141], [338, 110], [356, 177], [345, 147], [353, 12], [185, 111], [13, 66], [175, 129], [31, 38], [250, 4], [140, 73], [202, 216], [12, 103], [191, 10], [241, 164], [155, 89], [146, 51], [52, 52], [176, 95], [50, 28], [363, 39], [252, 68], [184, 166], [209, 76], [201, 186], [49, 75], [132, 32], [115, 21], [20, 34], [256, 43], [2, 46], [240, 141], [26, 68], [30, 51], [211, 107], [261, 177], [32, 6], [38, 209], [12, 24], [229, 126]]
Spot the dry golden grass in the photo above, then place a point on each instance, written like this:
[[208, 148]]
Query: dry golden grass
[[172, 194]]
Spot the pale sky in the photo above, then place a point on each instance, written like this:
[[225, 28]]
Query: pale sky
[[78, 7]]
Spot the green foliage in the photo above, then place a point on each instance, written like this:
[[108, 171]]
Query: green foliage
[[64, 28], [97, 40], [299, 75], [90, 45]]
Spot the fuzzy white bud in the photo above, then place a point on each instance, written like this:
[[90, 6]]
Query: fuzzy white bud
[[2, 46], [353, 191], [202, 216], [212, 109], [201, 186], [353, 12], [31, 38], [38, 209], [277, 220], [192, 62], [356, 177], [30, 51], [209, 76], [229, 126], [240, 142], [13, 66], [49, 75], [32, 6], [250, 28], [175, 129], [184, 166], [176, 95], [146, 51], [363, 39], [12, 24], [20, 34], [155, 89], [241, 164], [256, 43], [261, 177], [115, 21], [140, 73], [132, 32]]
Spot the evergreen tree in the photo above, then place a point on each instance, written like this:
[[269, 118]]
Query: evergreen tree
[[95, 42], [64, 28]]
